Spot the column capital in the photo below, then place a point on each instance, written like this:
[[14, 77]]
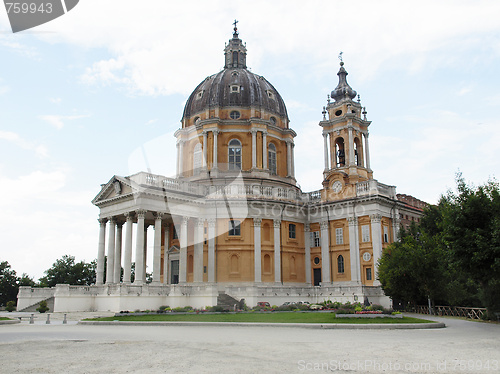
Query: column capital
[[158, 215], [264, 132], [119, 224], [185, 220], [353, 221], [211, 222], [112, 220], [254, 131], [376, 218], [140, 213], [257, 222], [200, 222], [323, 225], [129, 216], [307, 227], [216, 132], [102, 221], [276, 222]]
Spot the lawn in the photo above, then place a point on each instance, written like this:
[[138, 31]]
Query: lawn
[[4, 319], [275, 317]]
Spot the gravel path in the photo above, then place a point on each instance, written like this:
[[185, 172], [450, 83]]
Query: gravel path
[[462, 347]]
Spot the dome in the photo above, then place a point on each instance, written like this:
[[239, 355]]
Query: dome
[[235, 87]]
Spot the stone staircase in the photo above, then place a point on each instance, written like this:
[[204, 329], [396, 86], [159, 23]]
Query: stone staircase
[[32, 308], [227, 302]]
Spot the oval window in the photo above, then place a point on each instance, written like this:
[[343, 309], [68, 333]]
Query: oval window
[[338, 112], [234, 114], [316, 260]]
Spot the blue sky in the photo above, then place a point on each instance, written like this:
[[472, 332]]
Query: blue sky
[[100, 91]]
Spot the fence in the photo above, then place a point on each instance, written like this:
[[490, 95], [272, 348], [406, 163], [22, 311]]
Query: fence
[[455, 311]]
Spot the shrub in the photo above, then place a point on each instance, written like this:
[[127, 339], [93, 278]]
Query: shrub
[[42, 307], [11, 306]]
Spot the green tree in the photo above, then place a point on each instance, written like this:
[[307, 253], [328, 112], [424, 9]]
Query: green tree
[[8, 283], [67, 271], [471, 220]]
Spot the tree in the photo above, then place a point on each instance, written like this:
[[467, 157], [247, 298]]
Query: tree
[[66, 271], [471, 220], [8, 283]]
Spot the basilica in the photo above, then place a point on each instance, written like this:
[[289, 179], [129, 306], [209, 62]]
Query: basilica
[[233, 222]]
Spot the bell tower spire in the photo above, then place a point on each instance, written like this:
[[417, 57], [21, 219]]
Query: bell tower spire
[[345, 132], [235, 51]]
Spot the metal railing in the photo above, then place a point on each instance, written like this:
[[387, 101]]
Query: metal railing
[[454, 311]]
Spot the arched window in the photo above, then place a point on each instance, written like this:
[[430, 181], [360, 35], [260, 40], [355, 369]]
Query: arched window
[[266, 232], [357, 154], [235, 58], [339, 152], [340, 264], [267, 264], [293, 268], [271, 158], [234, 264], [197, 157], [234, 155]]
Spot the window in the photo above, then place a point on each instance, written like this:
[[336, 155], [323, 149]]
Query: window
[[365, 233], [291, 231], [340, 264], [316, 260], [197, 156], [267, 264], [197, 120], [357, 158], [315, 242], [199, 95], [234, 157], [234, 114], [368, 274], [175, 236], [273, 120], [339, 235], [339, 153], [234, 264], [234, 228], [386, 234], [270, 94], [235, 88], [271, 158]]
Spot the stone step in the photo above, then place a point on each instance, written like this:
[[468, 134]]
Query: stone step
[[32, 307]]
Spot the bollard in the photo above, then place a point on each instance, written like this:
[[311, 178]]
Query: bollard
[[32, 319], [48, 319], [64, 320]]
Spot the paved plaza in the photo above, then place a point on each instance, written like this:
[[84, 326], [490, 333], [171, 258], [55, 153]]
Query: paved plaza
[[461, 347]]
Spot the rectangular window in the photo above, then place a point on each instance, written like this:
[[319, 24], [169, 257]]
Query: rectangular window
[[386, 234], [368, 274], [339, 235], [365, 233], [291, 231], [175, 236], [234, 228], [315, 242]]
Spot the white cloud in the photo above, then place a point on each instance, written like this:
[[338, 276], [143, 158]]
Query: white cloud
[[58, 121], [40, 150], [55, 100]]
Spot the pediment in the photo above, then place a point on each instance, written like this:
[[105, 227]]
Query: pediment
[[173, 249], [115, 188]]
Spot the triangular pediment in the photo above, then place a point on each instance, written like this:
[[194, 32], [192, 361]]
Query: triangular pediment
[[173, 249], [115, 188]]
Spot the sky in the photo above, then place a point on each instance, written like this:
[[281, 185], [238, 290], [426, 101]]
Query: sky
[[100, 91]]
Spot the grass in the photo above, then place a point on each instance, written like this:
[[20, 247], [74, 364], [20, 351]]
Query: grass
[[4, 319], [276, 317]]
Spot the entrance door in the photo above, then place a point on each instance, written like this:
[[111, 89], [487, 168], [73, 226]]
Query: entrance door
[[317, 276], [174, 272]]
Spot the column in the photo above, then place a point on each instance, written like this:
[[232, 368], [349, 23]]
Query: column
[[376, 244], [181, 157], [333, 156], [101, 250], [307, 262], [127, 260], [166, 245], [157, 249], [351, 147], [277, 250], [325, 254], [367, 152], [325, 150], [118, 253], [215, 164], [139, 248], [110, 264], [289, 157], [145, 255], [211, 249], [254, 148], [354, 249], [183, 250], [264, 150], [198, 250], [293, 160], [177, 165], [204, 161], [257, 250]]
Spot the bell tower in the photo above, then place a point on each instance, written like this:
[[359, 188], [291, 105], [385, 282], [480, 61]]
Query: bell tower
[[345, 135]]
